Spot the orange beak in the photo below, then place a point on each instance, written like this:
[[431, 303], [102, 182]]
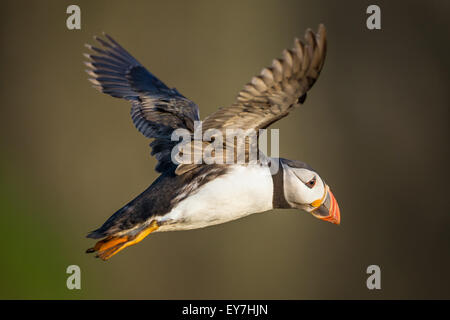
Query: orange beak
[[328, 210]]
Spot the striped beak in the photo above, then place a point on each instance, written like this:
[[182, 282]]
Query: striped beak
[[328, 210]]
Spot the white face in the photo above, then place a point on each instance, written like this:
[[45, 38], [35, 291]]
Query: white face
[[303, 188]]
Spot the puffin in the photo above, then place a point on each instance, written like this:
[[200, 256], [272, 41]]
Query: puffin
[[196, 194]]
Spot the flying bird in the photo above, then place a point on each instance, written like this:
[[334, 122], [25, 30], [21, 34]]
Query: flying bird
[[196, 195]]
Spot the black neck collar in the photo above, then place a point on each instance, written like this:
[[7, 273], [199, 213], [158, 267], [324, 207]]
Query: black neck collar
[[279, 200]]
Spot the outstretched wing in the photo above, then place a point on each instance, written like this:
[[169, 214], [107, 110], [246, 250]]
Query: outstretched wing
[[156, 109], [278, 89], [271, 95]]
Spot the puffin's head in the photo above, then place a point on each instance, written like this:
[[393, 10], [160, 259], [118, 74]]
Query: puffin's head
[[304, 189]]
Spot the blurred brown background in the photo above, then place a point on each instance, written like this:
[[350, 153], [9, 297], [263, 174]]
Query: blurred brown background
[[375, 125]]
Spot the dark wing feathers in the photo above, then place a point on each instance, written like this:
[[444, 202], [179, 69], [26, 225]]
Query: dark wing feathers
[[156, 109], [277, 90], [271, 95]]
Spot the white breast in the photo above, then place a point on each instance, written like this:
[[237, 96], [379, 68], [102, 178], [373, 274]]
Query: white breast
[[242, 191]]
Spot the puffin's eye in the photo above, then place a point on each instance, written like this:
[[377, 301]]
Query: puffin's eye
[[311, 183]]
